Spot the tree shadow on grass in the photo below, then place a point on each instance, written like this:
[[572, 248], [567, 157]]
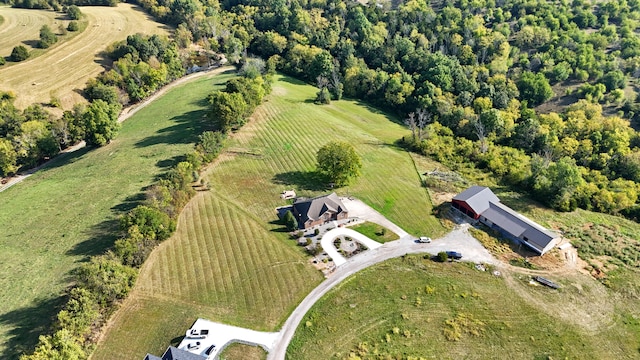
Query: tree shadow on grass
[[100, 238], [278, 227], [305, 180], [63, 159], [26, 324], [129, 203], [167, 164], [32, 43], [186, 129]]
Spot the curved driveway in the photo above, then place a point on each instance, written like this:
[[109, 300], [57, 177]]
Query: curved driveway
[[459, 240], [327, 243]]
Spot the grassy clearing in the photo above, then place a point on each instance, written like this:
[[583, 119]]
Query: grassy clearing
[[34, 80], [229, 257], [245, 352], [291, 129], [66, 212], [376, 232], [452, 311]]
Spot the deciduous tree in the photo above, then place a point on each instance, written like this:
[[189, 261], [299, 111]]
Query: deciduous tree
[[339, 161]]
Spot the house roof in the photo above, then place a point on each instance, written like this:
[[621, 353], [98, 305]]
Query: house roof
[[484, 202], [313, 209], [478, 198], [174, 353], [151, 357]]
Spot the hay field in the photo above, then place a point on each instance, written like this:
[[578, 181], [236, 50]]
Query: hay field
[[24, 25], [66, 67]]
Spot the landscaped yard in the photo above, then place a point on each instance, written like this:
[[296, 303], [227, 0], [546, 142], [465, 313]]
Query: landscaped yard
[[229, 257], [56, 218], [453, 311]]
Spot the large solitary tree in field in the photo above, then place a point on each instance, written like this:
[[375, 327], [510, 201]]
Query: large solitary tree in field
[[339, 161]]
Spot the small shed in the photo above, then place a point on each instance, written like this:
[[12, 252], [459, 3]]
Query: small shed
[[287, 194]]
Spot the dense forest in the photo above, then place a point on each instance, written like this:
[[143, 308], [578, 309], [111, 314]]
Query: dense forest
[[541, 94], [538, 93]]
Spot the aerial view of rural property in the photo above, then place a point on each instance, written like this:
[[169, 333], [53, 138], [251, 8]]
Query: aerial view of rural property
[[319, 179]]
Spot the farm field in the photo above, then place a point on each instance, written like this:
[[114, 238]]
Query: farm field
[[229, 259], [452, 311], [56, 218], [66, 67]]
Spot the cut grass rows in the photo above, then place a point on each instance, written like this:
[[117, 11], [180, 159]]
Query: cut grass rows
[[229, 258], [34, 80], [226, 260]]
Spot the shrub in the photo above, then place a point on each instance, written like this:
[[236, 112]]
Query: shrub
[[442, 256], [19, 53], [73, 26], [2, 60], [74, 12], [79, 313], [134, 249], [290, 221], [107, 279], [47, 37], [151, 223]]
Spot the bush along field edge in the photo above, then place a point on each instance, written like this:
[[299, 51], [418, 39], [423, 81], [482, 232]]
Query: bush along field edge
[[105, 280]]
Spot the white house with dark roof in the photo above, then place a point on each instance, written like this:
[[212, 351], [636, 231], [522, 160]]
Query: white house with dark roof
[[480, 203], [319, 210]]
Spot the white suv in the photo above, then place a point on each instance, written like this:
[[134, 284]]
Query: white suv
[[424, 240]]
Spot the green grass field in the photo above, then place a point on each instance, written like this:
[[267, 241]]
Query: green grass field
[[66, 212], [230, 259], [376, 232], [452, 311]]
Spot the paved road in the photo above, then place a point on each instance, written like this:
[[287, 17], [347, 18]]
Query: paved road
[[124, 115], [458, 240]]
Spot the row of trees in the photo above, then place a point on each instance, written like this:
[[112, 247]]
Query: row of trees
[[33, 135], [142, 64], [103, 282], [231, 107]]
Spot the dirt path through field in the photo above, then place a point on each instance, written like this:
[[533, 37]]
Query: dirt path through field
[[124, 115]]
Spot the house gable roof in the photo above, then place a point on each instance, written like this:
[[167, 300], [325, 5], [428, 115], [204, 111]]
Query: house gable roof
[[478, 198], [151, 357], [313, 209], [174, 353]]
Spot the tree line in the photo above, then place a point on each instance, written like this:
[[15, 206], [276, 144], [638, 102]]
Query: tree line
[[141, 65], [103, 282], [473, 73]]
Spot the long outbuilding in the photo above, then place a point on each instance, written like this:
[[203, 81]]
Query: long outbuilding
[[481, 204]]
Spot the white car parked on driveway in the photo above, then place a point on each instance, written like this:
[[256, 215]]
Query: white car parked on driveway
[[424, 240]]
